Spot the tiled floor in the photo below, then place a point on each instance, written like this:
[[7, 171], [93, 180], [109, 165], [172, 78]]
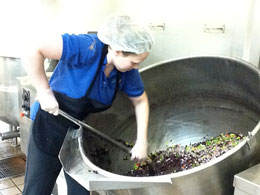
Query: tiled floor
[[9, 186], [13, 186], [8, 150]]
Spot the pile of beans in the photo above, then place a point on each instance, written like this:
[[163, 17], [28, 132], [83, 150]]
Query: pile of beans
[[178, 158]]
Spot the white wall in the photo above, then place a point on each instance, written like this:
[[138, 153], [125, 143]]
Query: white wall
[[184, 21], [252, 42], [10, 22], [20, 19]]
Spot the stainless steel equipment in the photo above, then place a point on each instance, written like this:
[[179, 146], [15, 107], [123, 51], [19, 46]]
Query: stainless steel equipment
[[17, 94], [248, 182], [190, 99], [10, 68], [26, 97]]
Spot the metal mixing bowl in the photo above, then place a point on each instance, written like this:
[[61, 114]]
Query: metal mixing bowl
[[190, 99]]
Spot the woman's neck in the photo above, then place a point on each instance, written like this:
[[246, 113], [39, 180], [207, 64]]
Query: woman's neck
[[108, 69], [109, 66]]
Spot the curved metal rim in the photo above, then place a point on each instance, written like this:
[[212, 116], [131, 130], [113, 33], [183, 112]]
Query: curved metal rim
[[243, 62], [185, 172], [153, 178]]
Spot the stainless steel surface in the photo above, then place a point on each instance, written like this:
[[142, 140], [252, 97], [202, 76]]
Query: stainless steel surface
[[10, 68], [252, 142], [13, 101], [96, 131], [9, 135], [248, 181], [26, 96], [73, 163], [190, 99]]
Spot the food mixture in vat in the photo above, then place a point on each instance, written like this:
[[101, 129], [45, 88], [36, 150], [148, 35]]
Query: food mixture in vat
[[173, 159], [177, 158]]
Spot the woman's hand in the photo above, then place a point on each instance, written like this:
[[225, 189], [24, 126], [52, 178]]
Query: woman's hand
[[139, 151], [48, 101]]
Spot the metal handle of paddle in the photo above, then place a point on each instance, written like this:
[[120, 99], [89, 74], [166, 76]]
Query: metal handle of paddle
[[99, 133]]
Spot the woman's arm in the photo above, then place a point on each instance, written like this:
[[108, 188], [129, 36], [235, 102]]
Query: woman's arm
[[33, 60], [141, 105]]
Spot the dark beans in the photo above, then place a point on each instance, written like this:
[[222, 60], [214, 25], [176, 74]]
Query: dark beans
[[177, 158]]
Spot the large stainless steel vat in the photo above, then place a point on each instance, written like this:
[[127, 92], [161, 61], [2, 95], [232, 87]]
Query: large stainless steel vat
[[10, 69], [190, 99]]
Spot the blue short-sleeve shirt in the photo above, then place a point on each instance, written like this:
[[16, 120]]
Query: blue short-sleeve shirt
[[79, 63]]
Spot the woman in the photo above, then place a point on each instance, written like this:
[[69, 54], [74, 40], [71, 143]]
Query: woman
[[91, 69]]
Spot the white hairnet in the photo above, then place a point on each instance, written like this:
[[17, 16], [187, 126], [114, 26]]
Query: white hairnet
[[123, 34]]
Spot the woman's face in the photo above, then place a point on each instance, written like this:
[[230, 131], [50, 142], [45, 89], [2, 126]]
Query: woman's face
[[125, 63]]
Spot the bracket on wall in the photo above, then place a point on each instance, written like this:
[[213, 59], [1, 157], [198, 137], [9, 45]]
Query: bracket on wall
[[157, 26], [214, 29]]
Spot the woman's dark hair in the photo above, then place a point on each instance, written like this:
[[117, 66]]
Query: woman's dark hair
[[125, 53]]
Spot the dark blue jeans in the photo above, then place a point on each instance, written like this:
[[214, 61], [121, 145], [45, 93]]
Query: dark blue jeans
[[42, 171]]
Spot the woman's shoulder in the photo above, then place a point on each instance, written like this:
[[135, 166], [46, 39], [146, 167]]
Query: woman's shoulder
[[81, 47], [82, 39]]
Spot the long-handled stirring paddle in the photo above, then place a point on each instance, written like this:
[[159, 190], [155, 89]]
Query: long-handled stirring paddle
[[99, 133]]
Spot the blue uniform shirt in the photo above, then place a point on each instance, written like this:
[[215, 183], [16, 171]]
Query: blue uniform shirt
[[77, 67]]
